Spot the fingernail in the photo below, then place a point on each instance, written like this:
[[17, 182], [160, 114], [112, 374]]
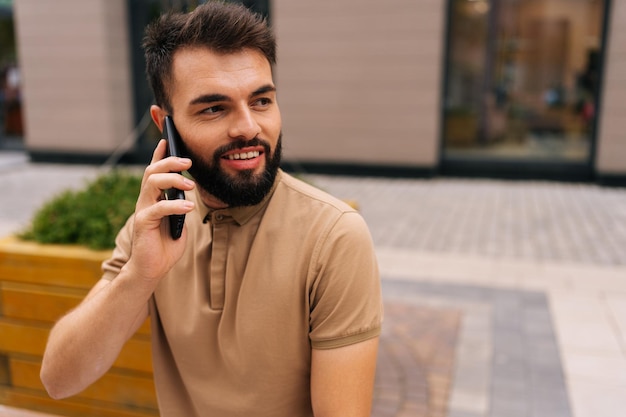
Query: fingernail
[[188, 182], [184, 160]]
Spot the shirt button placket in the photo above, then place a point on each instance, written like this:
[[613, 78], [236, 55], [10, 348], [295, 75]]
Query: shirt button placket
[[218, 262]]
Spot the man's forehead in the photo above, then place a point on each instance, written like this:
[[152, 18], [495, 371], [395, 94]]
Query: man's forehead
[[203, 56], [193, 67]]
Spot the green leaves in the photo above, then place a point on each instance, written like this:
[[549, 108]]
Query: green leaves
[[90, 217]]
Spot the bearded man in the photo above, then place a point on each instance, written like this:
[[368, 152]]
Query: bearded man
[[269, 303]]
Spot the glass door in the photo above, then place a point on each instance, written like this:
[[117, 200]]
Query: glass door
[[521, 82]]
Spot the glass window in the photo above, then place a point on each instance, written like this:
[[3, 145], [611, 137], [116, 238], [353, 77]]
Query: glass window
[[522, 79]]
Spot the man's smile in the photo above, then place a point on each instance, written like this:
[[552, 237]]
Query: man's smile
[[244, 158], [243, 155]]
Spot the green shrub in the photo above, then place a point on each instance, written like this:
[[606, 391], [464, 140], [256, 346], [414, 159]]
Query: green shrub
[[91, 216]]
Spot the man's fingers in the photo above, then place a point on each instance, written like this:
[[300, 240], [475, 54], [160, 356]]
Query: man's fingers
[[152, 216], [159, 152], [161, 163], [155, 184], [170, 164], [158, 177], [160, 158]]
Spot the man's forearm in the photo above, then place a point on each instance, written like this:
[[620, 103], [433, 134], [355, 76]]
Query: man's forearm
[[335, 395], [84, 344]]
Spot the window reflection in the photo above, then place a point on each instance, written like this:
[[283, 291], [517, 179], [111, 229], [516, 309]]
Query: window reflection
[[522, 79]]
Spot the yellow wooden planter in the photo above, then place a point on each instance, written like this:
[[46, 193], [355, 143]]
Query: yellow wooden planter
[[38, 284]]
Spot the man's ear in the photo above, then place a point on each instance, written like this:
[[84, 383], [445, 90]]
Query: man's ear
[[158, 114]]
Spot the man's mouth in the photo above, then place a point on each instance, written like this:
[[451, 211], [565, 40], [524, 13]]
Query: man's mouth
[[243, 155], [246, 158]]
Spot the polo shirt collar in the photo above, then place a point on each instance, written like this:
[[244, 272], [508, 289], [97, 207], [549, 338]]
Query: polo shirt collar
[[241, 214]]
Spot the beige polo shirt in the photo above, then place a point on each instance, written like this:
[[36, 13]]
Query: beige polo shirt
[[234, 321]]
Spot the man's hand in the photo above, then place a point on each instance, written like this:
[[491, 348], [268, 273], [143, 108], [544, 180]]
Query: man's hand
[[154, 252]]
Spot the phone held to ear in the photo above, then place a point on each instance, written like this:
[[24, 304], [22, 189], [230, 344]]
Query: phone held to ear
[[173, 139]]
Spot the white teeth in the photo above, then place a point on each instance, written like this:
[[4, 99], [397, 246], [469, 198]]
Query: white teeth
[[244, 155]]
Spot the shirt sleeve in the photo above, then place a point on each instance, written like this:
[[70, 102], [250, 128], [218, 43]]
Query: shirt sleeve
[[345, 298], [112, 266]]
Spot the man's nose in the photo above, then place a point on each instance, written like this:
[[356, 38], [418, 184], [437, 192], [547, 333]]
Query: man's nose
[[244, 125]]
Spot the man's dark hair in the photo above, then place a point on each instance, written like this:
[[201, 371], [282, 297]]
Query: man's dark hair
[[219, 26]]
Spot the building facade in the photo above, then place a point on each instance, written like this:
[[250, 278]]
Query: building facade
[[511, 88]]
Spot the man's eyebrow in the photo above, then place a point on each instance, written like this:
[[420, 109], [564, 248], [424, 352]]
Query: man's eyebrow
[[214, 98], [262, 90], [209, 98]]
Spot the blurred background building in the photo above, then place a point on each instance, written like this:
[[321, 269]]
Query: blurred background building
[[505, 88]]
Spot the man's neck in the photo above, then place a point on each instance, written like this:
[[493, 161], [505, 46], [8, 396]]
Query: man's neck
[[210, 200]]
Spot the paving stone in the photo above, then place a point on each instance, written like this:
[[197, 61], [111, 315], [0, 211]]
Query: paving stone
[[530, 220], [521, 373], [506, 408], [456, 413], [416, 361]]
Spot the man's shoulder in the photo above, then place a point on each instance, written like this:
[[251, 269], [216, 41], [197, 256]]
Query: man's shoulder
[[292, 190]]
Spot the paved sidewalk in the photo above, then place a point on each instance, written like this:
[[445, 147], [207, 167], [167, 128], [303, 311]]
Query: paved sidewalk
[[537, 272], [503, 299]]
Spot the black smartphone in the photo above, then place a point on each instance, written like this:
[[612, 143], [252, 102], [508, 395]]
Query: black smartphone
[[173, 139]]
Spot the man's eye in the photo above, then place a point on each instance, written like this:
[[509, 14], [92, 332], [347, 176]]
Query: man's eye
[[213, 109], [263, 101]]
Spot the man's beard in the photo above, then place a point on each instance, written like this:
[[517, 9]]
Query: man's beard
[[242, 189]]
